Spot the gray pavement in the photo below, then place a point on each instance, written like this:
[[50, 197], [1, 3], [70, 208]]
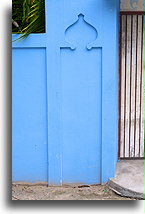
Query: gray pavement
[[129, 179]]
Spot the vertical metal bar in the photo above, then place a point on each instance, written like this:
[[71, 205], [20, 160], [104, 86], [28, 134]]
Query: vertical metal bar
[[130, 84], [120, 77], [125, 85], [135, 85], [141, 91]]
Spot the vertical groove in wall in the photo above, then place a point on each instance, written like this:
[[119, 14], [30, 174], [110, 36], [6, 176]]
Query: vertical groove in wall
[[131, 139]]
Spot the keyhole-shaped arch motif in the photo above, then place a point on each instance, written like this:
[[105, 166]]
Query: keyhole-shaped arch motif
[[81, 34]]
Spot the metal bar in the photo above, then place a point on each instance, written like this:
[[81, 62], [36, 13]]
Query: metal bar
[[132, 13]]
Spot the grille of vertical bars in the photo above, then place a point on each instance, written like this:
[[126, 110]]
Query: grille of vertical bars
[[131, 123]]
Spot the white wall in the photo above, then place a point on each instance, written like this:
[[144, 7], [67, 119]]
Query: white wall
[[132, 5]]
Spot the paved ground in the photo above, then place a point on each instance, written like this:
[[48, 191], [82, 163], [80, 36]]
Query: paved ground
[[129, 180], [99, 192]]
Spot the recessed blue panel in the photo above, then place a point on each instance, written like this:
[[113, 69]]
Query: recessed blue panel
[[29, 121], [81, 115]]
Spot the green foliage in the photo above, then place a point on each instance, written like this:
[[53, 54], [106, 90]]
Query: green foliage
[[17, 14], [29, 16]]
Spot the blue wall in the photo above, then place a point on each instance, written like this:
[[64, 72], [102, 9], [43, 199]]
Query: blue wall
[[65, 95]]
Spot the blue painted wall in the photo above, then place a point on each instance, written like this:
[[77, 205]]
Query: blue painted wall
[[29, 115], [65, 95]]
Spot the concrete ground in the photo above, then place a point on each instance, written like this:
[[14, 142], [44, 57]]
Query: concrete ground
[[41, 192], [129, 180]]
